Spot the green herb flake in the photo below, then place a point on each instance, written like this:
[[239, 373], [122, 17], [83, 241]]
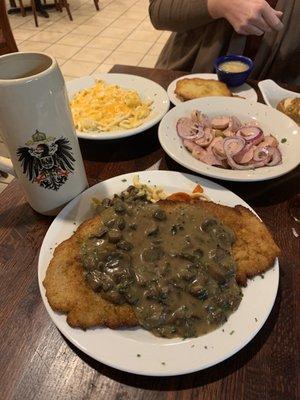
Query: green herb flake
[[223, 330], [138, 355], [231, 333], [124, 180], [283, 140], [163, 363], [192, 345], [255, 319], [262, 276], [205, 347]]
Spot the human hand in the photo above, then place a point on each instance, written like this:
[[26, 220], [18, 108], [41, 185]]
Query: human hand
[[247, 17]]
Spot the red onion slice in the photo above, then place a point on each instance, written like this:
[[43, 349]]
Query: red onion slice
[[261, 154], [206, 139], [246, 155], [218, 148], [232, 147], [220, 123], [234, 124], [188, 129], [275, 155], [251, 134]]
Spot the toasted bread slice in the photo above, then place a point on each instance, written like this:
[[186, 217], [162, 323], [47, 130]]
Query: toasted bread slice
[[67, 291], [188, 89]]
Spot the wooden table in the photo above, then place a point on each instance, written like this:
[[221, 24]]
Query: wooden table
[[37, 362]]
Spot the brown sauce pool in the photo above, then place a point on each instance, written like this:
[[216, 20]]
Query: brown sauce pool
[[172, 264]]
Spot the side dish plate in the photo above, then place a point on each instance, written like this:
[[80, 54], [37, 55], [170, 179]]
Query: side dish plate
[[244, 90], [137, 350], [147, 89], [271, 121]]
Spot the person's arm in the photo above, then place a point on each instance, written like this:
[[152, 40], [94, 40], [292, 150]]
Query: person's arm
[[179, 15]]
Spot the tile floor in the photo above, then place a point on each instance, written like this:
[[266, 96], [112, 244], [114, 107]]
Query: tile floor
[[121, 32]]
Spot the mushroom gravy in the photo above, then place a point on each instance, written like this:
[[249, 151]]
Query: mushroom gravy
[[171, 262]]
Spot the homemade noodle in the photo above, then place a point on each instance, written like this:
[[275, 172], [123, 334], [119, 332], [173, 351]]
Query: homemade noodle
[[106, 107]]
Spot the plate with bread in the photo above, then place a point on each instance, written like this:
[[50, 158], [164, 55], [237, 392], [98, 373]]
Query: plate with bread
[[116, 304], [283, 100], [193, 86]]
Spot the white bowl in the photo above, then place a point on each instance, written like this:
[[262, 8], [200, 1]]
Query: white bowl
[[273, 93]]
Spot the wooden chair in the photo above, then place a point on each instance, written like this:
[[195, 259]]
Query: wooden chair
[[59, 4], [7, 41], [23, 11]]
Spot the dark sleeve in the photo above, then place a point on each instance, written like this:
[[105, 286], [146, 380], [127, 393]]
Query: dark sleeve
[[179, 15]]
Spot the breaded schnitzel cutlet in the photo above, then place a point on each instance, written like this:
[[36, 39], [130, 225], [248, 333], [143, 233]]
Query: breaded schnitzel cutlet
[[67, 291], [194, 88]]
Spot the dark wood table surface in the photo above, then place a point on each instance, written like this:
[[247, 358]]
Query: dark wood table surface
[[37, 362]]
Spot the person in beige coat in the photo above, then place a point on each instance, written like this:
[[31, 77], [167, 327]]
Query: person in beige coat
[[266, 31]]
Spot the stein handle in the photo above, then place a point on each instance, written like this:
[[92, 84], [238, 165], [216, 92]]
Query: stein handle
[[7, 166]]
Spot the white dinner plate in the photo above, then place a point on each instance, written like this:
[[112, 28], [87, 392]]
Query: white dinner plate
[[270, 120], [244, 90], [273, 93], [137, 350], [147, 89]]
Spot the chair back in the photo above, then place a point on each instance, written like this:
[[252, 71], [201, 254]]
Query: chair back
[[7, 41]]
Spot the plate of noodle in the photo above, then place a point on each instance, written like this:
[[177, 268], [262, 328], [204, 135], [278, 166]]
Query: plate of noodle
[[112, 106]]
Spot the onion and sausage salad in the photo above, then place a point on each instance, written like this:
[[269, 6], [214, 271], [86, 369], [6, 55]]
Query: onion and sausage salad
[[224, 141]]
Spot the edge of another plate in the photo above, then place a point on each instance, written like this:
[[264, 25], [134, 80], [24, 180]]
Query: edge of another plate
[[245, 87], [147, 124]]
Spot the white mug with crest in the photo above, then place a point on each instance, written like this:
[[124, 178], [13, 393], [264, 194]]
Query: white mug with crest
[[37, 127]]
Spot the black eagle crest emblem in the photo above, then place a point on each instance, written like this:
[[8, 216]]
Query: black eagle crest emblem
[[46, 160]]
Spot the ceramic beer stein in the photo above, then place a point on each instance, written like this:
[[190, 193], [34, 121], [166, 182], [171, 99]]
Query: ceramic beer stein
[[37, 127]]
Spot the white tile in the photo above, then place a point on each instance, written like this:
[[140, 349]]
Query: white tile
[[91, 55], [22, 34], [78, 68], [62, 27], [144, 35], [62, 51], [104, 43], [135, 46], [100, 21], [103, 68], [148, 61], [73, 39], [28, 45], [47, 37], [85, 29], [116, 32], [120, 57], [123, 21]]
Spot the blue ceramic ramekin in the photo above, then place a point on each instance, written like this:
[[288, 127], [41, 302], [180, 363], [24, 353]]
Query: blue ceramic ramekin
[[233, 78]]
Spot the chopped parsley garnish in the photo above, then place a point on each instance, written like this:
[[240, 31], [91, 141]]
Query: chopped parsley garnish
[[231, 333], [283, 140], [138, 355], [255, 319], [124, 180], [205, 347], [163, 363]]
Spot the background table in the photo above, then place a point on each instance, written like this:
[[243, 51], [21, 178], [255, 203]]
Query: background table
[[37, 362]]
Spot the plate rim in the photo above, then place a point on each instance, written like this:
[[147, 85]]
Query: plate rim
[[173, 99], [206, 170], [64, 329], [133, 131]]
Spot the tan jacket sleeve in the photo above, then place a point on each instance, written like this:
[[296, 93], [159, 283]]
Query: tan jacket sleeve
[[179, 15]]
